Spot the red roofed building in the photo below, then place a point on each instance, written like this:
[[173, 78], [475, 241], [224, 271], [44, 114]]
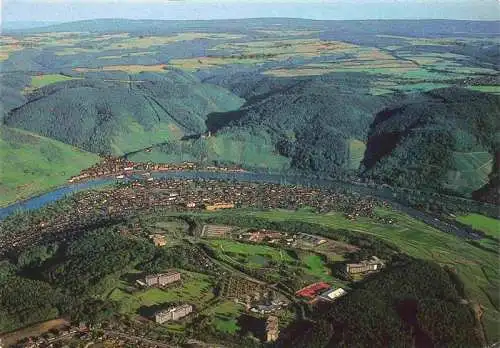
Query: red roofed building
[[313, 290]]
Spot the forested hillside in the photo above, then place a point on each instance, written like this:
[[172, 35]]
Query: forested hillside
[[311, 121], [117, 115], [444, 139], [394, 310]]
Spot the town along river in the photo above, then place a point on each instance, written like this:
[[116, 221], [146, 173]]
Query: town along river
[[384, 193], [68, 189]]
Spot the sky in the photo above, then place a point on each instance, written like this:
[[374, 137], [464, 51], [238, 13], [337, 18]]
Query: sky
[[71, 10]]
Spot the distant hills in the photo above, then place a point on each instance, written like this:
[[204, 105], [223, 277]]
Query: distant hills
[[414, 28]]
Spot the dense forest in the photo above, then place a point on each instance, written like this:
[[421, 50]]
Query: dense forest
[[118, 116]]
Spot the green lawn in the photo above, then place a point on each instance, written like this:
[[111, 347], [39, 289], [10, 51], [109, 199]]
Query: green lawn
[[249, 255], [225, 316], [315, 266], [196, 289], [31, 164]]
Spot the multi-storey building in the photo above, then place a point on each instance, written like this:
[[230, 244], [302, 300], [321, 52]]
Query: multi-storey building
[[174, 313], [162, 278]]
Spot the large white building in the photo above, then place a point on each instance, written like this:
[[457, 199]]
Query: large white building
[[174, 313]]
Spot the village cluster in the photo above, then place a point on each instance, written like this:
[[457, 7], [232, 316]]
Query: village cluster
[[120, 167]]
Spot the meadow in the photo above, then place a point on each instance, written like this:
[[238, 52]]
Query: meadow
[[486, 224], [249, 255], [33, 164]]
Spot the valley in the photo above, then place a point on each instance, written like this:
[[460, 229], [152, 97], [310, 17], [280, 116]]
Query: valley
[[130, 90], [269, 182]]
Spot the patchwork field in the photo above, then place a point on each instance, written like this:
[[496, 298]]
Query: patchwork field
[[8, 45], [131, 69]]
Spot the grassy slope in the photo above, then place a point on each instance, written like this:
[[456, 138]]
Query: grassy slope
[[356, 152], [31, 164], [252, 152], [483, 223], [472, 171], [136, 137], [476, 267]]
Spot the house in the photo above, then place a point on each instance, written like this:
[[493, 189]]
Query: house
[[272, 329], [173, 313], [159, 240]]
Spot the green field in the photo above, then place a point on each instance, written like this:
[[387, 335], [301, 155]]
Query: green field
[[315, 266], [476, 267], [31, 164], [488, 225], [249, 255], [225, 316], [47, 79], [356, 153], [486, 89]]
